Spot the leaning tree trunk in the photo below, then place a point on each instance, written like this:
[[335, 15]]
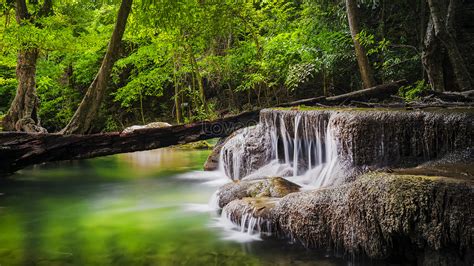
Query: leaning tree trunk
[[432, 58], [362, 59], [443, 20], [23, 112], [81, 122]]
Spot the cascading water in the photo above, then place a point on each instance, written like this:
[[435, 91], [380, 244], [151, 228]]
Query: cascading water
[[324, 147], [297, 145]]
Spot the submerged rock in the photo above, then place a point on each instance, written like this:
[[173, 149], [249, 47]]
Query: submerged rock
[[381, 215], [275, 187]]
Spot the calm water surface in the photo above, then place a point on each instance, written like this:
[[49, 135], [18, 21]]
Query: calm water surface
[[129, 209]]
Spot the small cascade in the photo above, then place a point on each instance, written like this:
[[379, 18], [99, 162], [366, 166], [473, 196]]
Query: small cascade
[[323, 147], [295, 144], [245, 228]]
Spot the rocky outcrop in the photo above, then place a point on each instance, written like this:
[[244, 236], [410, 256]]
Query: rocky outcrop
[[381, 215], [418, 208], [396, 138], [346, 141]]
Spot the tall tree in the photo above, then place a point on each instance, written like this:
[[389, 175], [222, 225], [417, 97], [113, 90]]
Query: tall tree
[[441, 27], [432, 58], [362, 59], [81, 122], [23, 112]]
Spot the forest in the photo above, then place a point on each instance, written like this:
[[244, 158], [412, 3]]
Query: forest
[[185, 61], [236, 132]]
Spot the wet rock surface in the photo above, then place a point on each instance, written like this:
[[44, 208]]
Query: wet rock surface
[[212, 162], [397, 138], [275, 187], [253, 214], [417, 206], [353, 140], [376, 138], [381, 215], [245, 151]]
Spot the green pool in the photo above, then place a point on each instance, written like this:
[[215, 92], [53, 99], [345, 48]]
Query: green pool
[[129, 209]]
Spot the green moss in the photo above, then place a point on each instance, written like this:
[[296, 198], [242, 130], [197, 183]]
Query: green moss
[[198, 145]]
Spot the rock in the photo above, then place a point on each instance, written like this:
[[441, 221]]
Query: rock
[[245, 151], [275, 187], [381, 215], [151, 125], [353, 140], [258, 208], [377, 139], [212, 162]]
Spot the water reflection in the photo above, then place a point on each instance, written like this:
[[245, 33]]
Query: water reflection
[[129, 209]]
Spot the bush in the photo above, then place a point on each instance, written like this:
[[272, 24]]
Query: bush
[[414, 91]]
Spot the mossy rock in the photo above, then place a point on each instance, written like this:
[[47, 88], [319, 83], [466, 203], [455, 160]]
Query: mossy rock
[[381, 215], [275, 187]]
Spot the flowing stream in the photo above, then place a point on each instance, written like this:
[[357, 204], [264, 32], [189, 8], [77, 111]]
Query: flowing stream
[[145, 208]]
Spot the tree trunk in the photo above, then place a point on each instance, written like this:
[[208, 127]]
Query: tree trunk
[[197, 75], [443, 20], [177, 104], [23, 112], [81, 122], [362, 59], [432, 58]]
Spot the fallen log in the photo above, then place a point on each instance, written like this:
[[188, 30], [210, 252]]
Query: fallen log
[[450, 96], [21, 149], [379, 92]]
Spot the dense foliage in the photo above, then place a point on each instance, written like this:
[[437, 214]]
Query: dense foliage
[[206, 57]]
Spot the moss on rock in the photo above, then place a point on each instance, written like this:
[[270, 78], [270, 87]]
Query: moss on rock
[[276, 187], [381, 215]]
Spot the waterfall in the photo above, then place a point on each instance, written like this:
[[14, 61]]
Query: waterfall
[[298, 145], [323, 147]]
